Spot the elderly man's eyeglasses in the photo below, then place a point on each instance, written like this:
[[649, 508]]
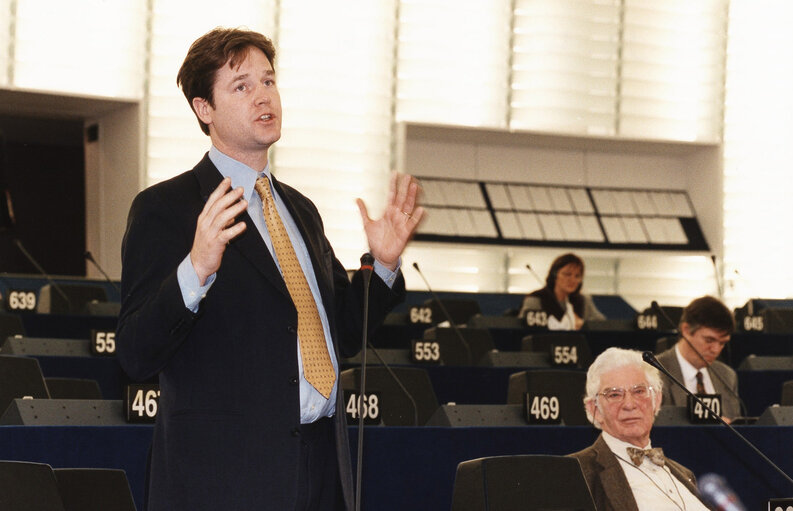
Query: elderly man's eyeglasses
[[614, 395]]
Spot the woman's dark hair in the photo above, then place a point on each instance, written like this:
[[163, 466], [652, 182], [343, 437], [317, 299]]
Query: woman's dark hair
[[212, 51], [559, 263]]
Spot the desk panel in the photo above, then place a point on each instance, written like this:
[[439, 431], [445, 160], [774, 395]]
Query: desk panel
[[414, 468]]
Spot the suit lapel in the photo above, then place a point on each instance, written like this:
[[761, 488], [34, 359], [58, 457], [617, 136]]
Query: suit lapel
[[680, 396], [614, 482], [612, 478], [249, 243]]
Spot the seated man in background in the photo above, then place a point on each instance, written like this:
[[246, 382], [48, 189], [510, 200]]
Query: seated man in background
[[705, 328], [561, 297], [623, 395]]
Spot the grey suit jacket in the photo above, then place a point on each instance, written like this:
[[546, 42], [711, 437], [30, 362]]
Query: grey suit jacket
[[675, 396], [607, 481]]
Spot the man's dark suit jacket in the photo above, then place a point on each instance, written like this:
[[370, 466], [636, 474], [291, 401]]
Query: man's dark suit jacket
[[227, 432], [675, 396], [607, 481]]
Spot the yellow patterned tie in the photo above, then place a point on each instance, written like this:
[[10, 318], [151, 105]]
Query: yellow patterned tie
[[317, 365]]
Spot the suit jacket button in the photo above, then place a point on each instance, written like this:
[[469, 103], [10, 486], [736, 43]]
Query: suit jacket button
[[295, 431], [293, 380], [291, 329]]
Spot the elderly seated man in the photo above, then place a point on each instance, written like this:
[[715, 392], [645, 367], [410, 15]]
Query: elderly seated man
[[623, 395]]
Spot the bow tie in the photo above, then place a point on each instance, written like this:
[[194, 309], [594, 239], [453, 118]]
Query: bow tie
[[656, 455]]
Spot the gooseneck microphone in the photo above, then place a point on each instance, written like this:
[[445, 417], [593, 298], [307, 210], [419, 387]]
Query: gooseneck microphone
[[717, 276], [712, 370], [534, 274], [648, 357], [446, 314], [43, 273], [367, 262], [90, 257], [367, 266]]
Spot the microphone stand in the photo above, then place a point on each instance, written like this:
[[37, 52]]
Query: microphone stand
[[90, 257], [717, 275], [534, 274], [648, 357], [398, 382], [367, 262], [55, 286], [446, 313]]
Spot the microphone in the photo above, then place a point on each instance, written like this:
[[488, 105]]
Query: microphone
[[717, 276], [718, 494], [534, 274], [648, 357], [654, 305], [54, 285], [446, 314], [367, 266], [367, 262], [90, 257]]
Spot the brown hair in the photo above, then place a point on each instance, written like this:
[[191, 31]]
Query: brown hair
[[708, 312], [559, 263], [212, 51]]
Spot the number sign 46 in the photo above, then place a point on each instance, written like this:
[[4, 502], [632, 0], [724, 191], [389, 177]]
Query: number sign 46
[[141, 402]]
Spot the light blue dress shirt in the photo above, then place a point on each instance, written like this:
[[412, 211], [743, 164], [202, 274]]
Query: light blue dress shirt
[[312, 404]]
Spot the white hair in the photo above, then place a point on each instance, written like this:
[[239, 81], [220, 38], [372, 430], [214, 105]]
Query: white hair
[[615, 358]]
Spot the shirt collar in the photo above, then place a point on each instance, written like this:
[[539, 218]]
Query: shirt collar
[[619, 447], [687, 371], [240, 174]]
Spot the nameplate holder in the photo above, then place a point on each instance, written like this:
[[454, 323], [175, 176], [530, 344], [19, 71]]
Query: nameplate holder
[[370, 405], [425, 352], [647, 321], [21, 300], [536, 318], [697, 414], [420, 315], [754, 323], [141, 402], [563, 355], [103, 343], [780, 504], [542, 409]]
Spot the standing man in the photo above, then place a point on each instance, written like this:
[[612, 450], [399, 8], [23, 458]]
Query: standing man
[[622, 469], [232, 295], [705, 328]]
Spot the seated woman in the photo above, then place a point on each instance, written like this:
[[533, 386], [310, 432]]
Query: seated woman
[[561, 297]]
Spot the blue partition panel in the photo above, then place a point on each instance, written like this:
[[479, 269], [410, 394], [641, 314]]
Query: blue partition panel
[[414, 468]]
